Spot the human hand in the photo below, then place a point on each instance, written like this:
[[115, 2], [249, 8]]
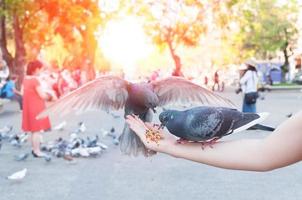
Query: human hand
[[139, 127]]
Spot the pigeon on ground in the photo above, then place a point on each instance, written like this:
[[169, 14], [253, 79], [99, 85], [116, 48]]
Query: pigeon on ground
[[18, 175], [6, 130], [23, 137], [60, 127], [22, 157], [113, 93], [289, 115], [82, 128], [207, 124]]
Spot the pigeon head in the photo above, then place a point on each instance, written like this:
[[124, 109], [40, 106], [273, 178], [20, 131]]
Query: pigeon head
[[165, 117], [143, 95], [150, 99]]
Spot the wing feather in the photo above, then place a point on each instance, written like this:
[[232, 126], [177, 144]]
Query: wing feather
[[177, 89], [106, 92]]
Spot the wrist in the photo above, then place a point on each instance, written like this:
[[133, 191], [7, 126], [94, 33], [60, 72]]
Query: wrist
[[171, 149]]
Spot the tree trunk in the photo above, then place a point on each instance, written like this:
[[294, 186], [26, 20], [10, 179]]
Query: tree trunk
[[19, 62], [177, 71], [285, 64], [3, 42]]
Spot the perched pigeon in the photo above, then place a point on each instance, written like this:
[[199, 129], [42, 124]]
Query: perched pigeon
[[204, 124], [113, 93], [18, 175]]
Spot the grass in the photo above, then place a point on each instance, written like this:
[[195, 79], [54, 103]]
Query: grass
[[286, 84]]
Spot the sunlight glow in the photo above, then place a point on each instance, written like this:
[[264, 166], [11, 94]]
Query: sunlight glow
[[124, 42]]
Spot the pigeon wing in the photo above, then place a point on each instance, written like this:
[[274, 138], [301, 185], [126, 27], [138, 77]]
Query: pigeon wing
[[180, 90], [106, 92], [203, 124]]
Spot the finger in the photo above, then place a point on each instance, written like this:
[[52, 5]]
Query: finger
[[137, 128], [140, 121], [149, 125]]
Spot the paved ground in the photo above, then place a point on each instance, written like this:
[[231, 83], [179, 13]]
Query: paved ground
[[114, 176]]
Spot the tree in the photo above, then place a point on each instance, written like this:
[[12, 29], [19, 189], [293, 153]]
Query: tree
[[173, 23], [3, 35], [265, 27], [76, 21]]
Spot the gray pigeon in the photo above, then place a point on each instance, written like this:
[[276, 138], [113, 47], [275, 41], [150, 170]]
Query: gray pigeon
[[202, 124], [22, 157], [113, 93]]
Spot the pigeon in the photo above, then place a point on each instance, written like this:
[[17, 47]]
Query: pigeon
[[15, 141], [116, 141], [47, 157], [6, 130], [104, 133], [18, 175], [289, 115], [113, 93], [60, 127], [92, 143], [22, 157], [82, 128], [23, 138], [103, 146], [207, 124], [94, 150], [261, 127]]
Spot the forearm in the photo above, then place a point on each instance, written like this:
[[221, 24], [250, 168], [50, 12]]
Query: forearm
[[239, 154]]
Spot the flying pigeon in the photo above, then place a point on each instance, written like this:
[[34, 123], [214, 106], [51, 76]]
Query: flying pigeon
[[18, 175], [207, 124], [113, 93]]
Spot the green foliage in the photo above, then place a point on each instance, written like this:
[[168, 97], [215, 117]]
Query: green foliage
[[173, 22], [264, 27]]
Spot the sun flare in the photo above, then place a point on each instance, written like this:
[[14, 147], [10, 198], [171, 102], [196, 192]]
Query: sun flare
[[124, 42]]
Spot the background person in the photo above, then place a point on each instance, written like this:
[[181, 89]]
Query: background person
[[9, 91], [248, 84], [33, 103]]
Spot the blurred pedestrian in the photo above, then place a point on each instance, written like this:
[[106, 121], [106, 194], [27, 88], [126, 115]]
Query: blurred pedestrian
[[216, 81], [33, 103], [248, 84], [206, 81], [9, 91]]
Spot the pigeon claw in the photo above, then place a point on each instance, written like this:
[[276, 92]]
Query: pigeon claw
[[209, 143], [182, 141]]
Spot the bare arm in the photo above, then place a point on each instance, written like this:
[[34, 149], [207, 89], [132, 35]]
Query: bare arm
[[283, 147]]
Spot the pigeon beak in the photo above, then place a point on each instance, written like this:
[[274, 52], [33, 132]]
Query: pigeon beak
[[161, 126]]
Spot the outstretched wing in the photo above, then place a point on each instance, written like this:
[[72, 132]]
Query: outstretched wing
[[106, 92], [179, 90]]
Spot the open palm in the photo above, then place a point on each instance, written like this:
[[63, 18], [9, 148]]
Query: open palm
[[140, 128]]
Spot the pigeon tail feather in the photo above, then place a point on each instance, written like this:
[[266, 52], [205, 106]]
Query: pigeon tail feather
[[130, 143], [261, 118]]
